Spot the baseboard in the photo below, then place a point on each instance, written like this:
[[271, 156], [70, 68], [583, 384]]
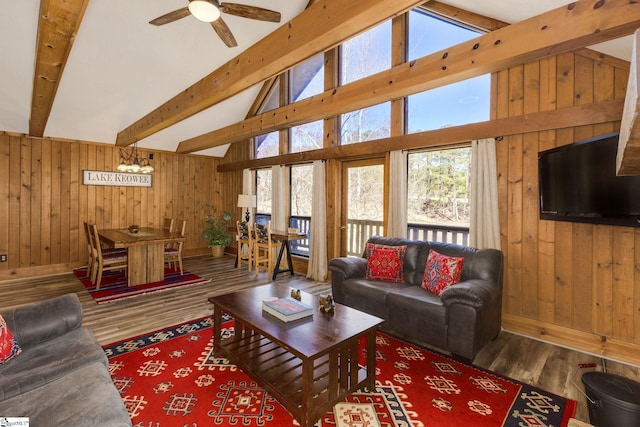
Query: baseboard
[[596, 345], [42, 270]]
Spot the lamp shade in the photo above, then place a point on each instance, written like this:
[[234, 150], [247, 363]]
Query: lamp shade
[[204, 10], [246, 200]]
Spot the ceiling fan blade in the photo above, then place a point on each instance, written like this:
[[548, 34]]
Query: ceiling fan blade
[[171, 16], [251, 12], [224, 32]]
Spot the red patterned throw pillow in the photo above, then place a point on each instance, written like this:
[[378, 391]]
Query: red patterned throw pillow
[[9, 348], [441, 272], [385, 262]]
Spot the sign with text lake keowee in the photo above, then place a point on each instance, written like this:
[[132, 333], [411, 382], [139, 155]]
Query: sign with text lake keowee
[[116, 179]]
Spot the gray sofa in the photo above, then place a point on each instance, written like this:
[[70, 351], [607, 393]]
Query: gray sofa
[[462, 320], [61, 377]]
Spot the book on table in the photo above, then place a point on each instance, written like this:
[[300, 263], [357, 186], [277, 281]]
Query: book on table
[[287, 309]]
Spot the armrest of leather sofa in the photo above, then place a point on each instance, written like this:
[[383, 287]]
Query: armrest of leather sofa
[[349, 267], [473, 292], [343, 269], [44, 320], [474, 313]]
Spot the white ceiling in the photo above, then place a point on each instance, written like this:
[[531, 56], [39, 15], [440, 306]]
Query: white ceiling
[[121, 68]]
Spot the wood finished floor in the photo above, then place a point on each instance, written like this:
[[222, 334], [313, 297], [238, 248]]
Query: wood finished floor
[[534, 362]]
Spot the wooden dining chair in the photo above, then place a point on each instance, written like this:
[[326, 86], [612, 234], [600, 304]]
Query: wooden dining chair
[[245, 239], [173, 254], [169, 224], [264, 249], [105, 260], [91, 252]]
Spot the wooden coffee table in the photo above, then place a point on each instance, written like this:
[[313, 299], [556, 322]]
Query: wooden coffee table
[[308, 366]]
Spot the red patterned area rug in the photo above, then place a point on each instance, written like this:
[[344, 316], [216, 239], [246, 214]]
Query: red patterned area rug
[[171, 378], [114, 287]]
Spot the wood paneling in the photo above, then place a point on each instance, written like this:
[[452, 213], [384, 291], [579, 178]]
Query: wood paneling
[[45, 201], [569, 283]]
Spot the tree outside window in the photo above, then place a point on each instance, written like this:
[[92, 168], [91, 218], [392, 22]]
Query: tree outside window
[[267, 145], [367, 124], [366, 54], [306, 137], [301, 190], [438, 187], [263, 191], [362, 56]]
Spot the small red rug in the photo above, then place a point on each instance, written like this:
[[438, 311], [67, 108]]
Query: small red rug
[[114, 287], [171, 378]]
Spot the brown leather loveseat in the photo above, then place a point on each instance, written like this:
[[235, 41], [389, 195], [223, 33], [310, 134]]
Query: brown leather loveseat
[[462, 320]]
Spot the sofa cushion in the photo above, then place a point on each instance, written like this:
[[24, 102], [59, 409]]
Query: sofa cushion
[[9, 347], [441, 272], [47, 361], [385, 262], [369, 295], [85, 397], [418, 314]]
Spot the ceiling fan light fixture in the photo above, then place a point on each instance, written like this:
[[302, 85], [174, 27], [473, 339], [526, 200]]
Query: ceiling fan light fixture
[[204, 10]]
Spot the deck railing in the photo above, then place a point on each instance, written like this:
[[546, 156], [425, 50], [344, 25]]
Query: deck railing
[[359, 231]]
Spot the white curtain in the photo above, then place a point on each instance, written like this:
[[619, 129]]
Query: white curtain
[[317, 268], [484, 227], [397, 221], [279, 198]]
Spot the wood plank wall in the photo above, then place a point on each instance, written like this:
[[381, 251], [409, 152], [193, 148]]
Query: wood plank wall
[[569, 283], [44, 201]]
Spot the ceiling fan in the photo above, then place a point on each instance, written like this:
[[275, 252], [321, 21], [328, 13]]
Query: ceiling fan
[[210, 11]]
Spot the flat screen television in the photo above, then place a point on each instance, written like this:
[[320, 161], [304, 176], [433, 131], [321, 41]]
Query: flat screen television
[[578, 183]]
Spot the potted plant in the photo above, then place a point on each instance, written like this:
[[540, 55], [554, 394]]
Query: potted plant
[[217, 233]]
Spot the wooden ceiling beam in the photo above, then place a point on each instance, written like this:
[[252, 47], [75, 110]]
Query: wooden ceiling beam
[[564, 29], [325, 24], [602, 112], [58, 25]]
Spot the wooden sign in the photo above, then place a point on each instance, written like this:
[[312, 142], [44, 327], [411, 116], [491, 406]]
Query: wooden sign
[[116, 179]]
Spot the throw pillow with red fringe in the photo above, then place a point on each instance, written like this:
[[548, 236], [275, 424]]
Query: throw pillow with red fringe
[[385, 262], [9, 347], [441, 272]]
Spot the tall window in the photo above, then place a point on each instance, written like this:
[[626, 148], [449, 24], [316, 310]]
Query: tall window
[[306, 137], [301, 200], [366, 54], [268, 145], [367, 124], [301, 190], [452, 105], [362, 56], [428, 34], [438, 192], [307, 79], [263, 192]]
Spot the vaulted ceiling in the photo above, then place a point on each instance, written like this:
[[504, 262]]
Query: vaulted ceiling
[[102, 67]]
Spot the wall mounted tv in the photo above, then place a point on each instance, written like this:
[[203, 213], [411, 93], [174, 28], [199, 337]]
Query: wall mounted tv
[[578, 183]]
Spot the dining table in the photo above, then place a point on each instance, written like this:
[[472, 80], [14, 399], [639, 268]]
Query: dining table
[[145, 251]]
